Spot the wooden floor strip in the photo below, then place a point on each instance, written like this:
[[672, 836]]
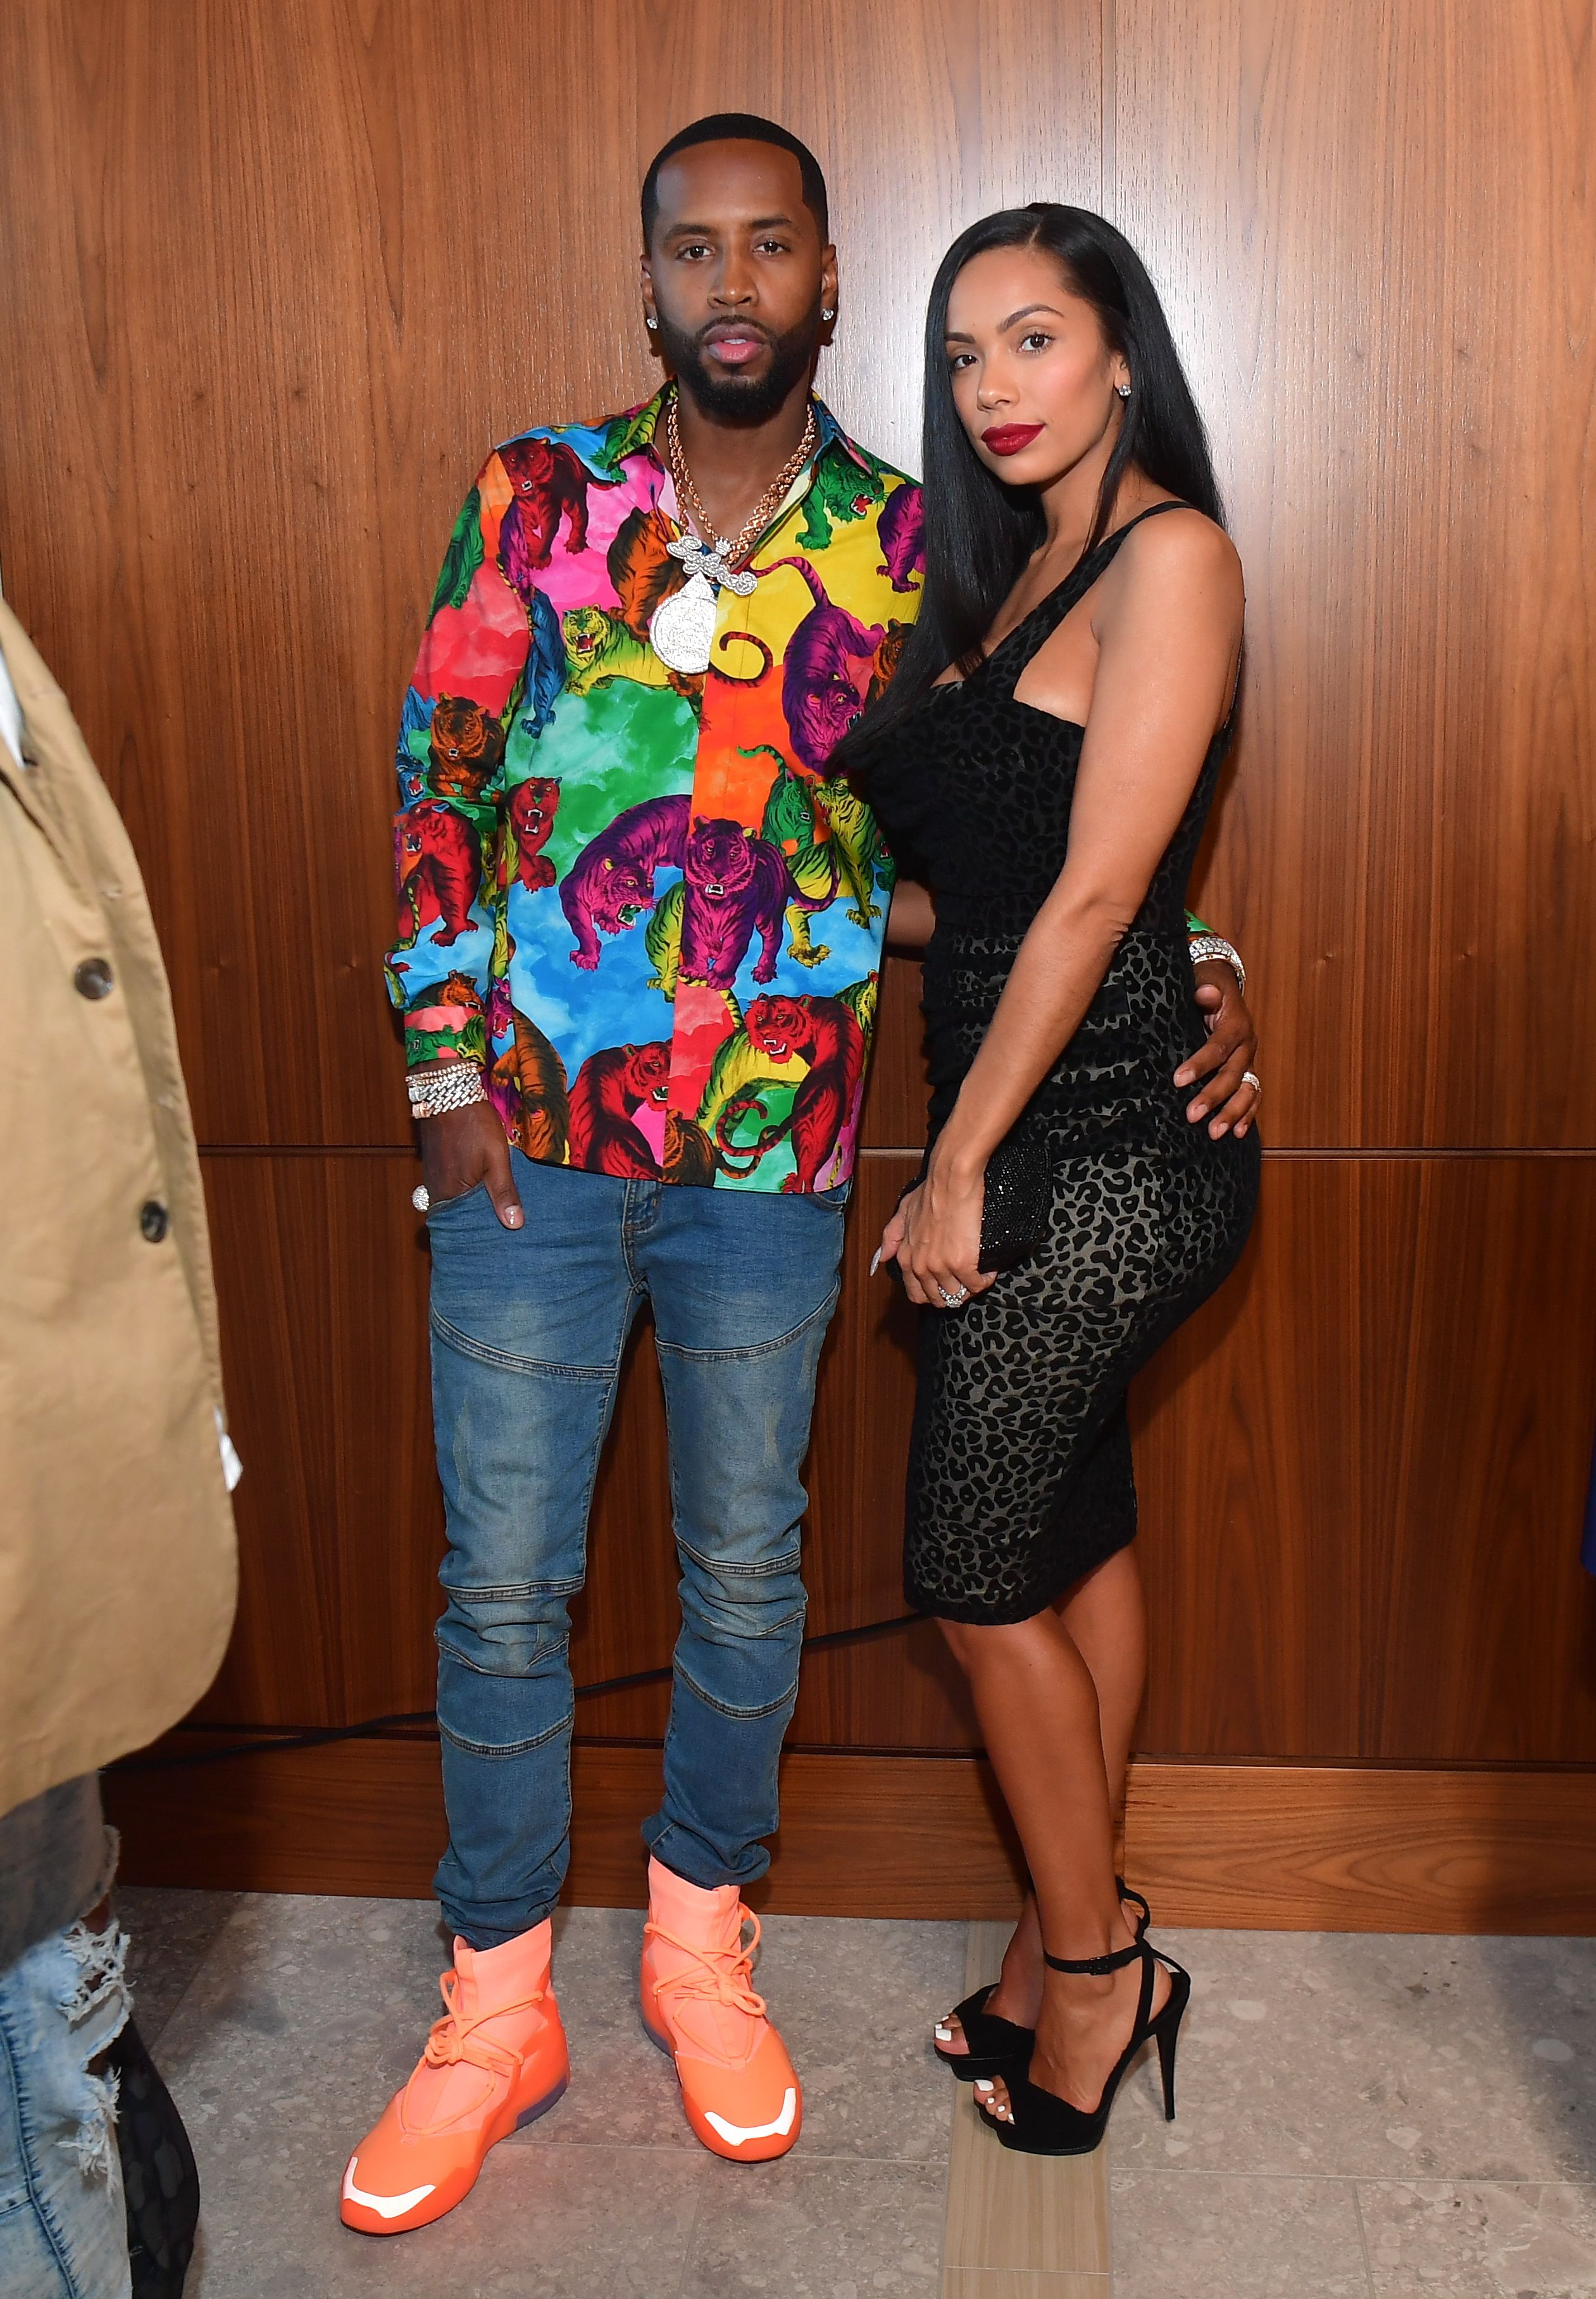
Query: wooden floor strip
[[1020, 2226], [1021, 2283]]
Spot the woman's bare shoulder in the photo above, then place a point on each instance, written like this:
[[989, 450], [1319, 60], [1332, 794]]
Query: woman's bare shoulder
[[1179, 548]]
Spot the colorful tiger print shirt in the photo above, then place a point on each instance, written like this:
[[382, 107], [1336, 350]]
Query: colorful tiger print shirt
[[637, 899]]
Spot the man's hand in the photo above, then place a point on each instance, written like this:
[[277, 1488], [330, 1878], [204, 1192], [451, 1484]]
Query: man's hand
[[1232, 1045], [465, 1146]]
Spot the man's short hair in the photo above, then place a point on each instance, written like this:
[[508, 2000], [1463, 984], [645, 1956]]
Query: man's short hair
[[736, 127]]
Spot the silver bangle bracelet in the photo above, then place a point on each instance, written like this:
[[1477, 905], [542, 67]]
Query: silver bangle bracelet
[[1212, 945], [433, 1094]]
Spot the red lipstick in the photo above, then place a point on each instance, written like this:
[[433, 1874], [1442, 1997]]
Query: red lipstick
[[1009, 438]]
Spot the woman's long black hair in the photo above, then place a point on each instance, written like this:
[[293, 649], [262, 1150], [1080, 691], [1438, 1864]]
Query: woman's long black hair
[[979, 533]]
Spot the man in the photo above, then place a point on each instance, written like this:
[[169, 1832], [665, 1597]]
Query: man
[[640, 927], [116, 1556]]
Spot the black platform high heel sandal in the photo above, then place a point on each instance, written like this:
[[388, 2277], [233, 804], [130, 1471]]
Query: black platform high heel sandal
[[1039, 2123], [996, 2045]]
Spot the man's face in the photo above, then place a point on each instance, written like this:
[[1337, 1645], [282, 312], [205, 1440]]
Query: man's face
[[737, 275]]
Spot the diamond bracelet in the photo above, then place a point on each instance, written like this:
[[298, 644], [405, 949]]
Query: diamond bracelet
[[433, 1094], [1213, 945]]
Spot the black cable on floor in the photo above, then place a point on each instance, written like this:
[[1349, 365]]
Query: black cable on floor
[[370, 1727]]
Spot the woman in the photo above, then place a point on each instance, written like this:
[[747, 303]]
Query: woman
[[1044, 762]]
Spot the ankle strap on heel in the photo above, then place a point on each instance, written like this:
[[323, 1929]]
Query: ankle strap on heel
[[1098, 1966]]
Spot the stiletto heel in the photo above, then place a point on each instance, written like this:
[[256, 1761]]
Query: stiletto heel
[[1041, 2123], [1168, 2038], [995, 2044]]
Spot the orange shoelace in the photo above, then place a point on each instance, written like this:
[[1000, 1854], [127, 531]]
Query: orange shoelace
[[455, 2038], [723, 1974]]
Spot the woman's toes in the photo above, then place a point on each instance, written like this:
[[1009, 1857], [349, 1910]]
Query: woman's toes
[[949, 2034], [992, 2096]]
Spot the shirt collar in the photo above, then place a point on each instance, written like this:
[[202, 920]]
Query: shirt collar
[[642, 423]]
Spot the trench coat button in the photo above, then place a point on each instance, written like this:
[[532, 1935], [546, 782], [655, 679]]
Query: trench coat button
[[93, 978], [153, 1220]]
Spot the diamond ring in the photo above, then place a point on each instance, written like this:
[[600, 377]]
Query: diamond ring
[[420, 1196], [1251, 1078], [954, 1300]]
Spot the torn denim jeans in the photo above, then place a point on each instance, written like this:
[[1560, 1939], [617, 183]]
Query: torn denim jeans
[[63, 2224]]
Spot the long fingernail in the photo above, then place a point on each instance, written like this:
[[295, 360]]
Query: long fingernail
[[875, 1263]]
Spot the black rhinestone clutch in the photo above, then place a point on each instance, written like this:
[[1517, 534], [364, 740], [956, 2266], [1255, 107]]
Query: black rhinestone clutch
[[1015, 1207], [1019, 1201]]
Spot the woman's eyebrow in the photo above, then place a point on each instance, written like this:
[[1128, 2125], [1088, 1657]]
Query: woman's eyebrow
[[955, 335]]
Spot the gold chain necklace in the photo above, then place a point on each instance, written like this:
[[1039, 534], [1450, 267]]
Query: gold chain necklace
[[734, 553], [681, 629]]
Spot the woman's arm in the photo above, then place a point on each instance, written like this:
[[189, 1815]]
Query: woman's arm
[[911, 919], [1168, 630]]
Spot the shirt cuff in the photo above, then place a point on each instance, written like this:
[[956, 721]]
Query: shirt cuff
[[232, 1467], [443, 1034]]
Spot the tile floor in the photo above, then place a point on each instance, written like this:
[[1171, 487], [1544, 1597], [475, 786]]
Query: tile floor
[[1361, 2117], [282, 2025]]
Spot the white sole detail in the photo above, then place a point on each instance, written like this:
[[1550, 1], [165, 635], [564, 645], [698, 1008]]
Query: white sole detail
[[736, 2135], [386, 2207]]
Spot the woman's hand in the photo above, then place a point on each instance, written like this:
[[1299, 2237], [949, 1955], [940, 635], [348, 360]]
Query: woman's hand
[[935, 1237], [1230, 1051]]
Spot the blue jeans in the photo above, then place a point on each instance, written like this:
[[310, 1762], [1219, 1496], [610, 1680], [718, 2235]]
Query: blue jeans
[[64, 1998], [527, 1330]]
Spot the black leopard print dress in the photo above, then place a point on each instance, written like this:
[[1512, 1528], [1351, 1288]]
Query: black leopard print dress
[[1019, 1478]]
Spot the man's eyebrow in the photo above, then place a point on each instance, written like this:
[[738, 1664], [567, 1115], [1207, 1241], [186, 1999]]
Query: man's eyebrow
[[1024, 312], [711, 231]]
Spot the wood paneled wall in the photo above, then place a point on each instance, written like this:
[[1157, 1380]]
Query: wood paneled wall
[[278, 270]]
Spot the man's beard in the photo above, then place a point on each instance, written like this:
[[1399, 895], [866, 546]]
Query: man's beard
[[742, 399]]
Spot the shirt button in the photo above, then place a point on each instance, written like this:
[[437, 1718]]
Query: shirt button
[[93, 978], [153, 1220]]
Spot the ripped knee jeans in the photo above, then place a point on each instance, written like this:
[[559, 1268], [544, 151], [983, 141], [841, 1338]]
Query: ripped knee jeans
[[529, 1331], [64, 2230]]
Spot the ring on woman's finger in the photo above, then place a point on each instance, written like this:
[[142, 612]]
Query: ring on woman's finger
[[1251, 1078], [954, 1300]]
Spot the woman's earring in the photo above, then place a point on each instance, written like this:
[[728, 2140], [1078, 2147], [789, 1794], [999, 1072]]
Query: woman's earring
[[1124, 389], [828, 315], [652, 325]]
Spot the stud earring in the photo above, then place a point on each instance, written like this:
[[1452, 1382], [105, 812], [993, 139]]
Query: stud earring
[[651, 325], [1123, 390], [828, 315]]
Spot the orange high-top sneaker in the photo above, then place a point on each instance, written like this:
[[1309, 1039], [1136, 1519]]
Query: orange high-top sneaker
[[495, 2060], [738, 2086]]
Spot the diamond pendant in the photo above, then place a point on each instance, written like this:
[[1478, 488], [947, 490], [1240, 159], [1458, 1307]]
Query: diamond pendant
[[682, 626]]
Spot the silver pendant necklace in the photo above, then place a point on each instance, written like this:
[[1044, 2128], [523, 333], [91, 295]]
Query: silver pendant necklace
[[682, 627]]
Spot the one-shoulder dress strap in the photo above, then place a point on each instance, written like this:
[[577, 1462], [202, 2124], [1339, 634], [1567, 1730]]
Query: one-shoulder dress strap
[[1033, 632]]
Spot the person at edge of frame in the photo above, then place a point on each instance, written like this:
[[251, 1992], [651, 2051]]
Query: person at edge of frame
[[117, 1570], [640, 926]]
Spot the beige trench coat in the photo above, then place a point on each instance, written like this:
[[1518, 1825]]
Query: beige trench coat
[[117, 1571]]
